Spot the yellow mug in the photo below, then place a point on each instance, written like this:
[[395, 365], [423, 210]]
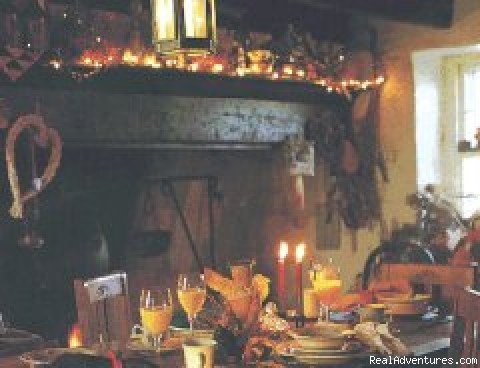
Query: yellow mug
[[199, 353]]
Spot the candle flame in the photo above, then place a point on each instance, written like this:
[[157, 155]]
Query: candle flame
[[217, 68], [75, 337], [287, 70], [283, 250], [149, 60], [380, 79], [129, 58], [194, 67], [300, 252]]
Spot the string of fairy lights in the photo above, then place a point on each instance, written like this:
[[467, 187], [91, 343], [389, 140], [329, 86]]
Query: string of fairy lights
[[93, 62], [85, 48]]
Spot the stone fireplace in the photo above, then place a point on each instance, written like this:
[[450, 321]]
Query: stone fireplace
[[107, 210]]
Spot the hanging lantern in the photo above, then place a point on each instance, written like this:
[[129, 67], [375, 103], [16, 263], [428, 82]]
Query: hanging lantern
[[184, 26]]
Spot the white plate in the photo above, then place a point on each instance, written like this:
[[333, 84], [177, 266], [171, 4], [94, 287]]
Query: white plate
[[185, 331], [318, 338]]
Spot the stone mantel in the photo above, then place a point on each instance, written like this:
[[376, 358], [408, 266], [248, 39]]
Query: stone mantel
[[127, 111]]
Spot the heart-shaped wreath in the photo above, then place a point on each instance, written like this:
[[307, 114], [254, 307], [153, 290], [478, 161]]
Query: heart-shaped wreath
[[44, 137]]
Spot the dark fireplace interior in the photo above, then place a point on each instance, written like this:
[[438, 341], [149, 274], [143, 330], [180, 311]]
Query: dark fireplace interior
[[82, 219], [102, 213]]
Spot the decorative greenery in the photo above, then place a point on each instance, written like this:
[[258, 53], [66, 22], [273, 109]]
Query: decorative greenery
[[351, 151], [82, 42]]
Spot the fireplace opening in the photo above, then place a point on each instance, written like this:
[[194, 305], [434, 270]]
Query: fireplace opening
[[101, 213]]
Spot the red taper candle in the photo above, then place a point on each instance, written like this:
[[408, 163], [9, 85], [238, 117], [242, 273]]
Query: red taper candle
[[282, 255]]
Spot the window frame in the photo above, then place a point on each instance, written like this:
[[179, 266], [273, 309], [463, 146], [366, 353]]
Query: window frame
[[452, 120]]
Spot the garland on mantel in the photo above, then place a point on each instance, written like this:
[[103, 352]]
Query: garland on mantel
[[82, 43], [295, 57]]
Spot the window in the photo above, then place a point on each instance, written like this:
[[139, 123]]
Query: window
[[460, 120]]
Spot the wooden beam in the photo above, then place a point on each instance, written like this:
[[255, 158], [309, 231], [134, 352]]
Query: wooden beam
[[437, 13], [253, 15], [122, 6]]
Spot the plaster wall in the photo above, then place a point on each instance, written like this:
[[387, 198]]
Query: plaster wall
[[397, 112], [399, 41]]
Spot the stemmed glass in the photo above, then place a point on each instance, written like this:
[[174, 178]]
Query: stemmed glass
[[192, 293], [156, 311]]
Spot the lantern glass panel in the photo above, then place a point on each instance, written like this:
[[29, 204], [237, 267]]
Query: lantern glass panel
[[195, 17], [164, 13]]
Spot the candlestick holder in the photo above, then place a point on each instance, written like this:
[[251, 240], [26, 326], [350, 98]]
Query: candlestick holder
[[292, 315], [300, 316], [299, 321], [299, 297]]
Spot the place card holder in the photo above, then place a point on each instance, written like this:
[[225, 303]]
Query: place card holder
[[103, 309]]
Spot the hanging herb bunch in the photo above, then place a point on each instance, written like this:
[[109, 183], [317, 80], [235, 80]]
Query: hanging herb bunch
[[347, 141]]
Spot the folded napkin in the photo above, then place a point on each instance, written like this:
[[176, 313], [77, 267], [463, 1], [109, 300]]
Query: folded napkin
[[379, 339]]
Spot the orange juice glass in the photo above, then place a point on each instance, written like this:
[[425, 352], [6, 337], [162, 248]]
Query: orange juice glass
[[156, 311], [192, 300], [192, 292]]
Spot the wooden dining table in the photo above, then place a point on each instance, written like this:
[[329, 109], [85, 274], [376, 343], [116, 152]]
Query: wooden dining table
[[422, 338]]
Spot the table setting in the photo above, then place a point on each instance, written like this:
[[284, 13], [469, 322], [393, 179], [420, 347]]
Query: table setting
[[222, 319]]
